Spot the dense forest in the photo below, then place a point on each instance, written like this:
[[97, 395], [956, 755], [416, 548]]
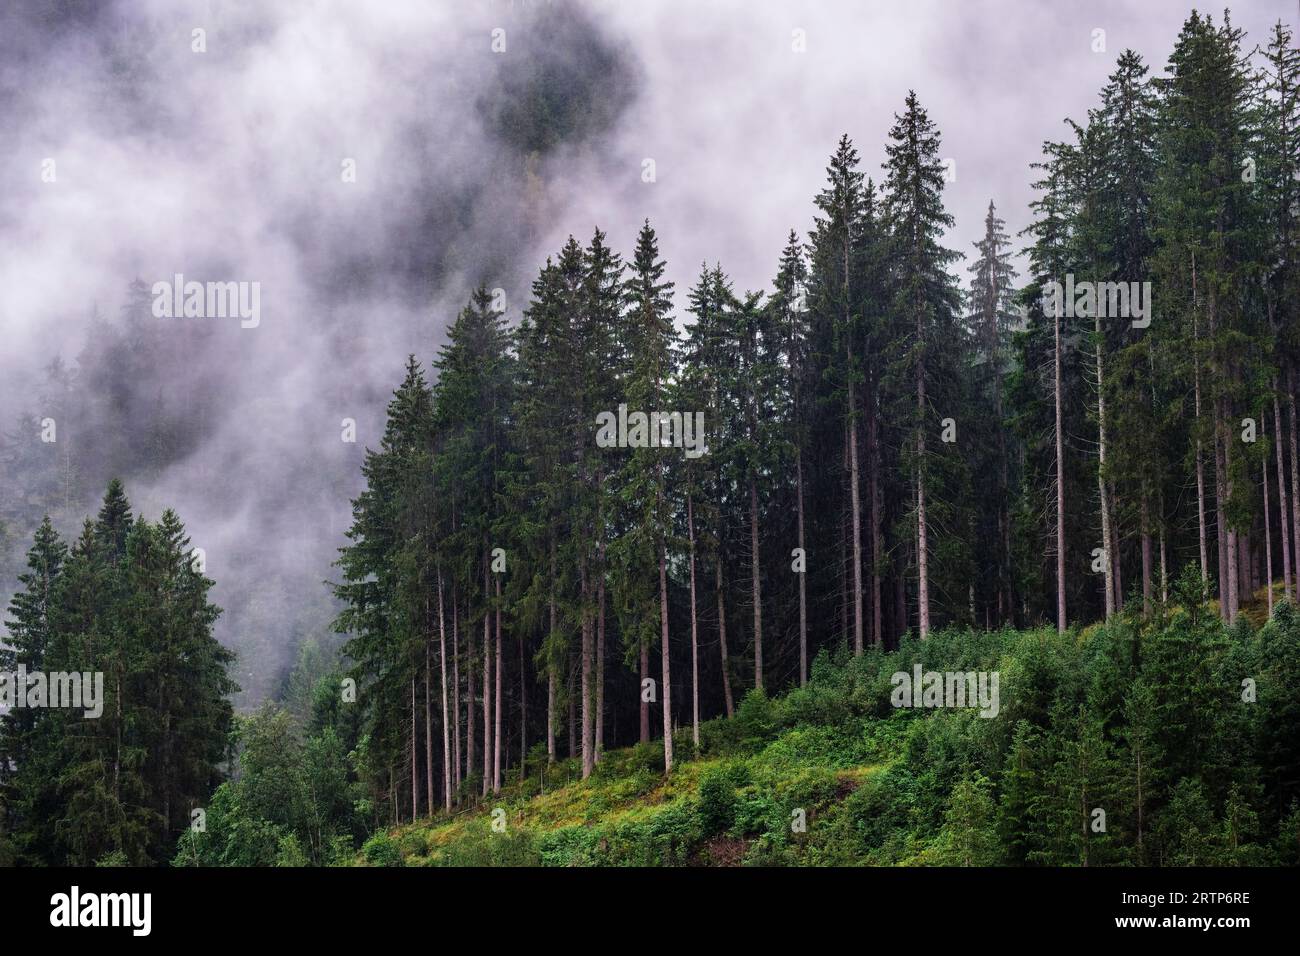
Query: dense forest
[[628, 583]]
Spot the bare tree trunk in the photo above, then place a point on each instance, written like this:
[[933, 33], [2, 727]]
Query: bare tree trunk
[[573, 710], [428, 720], [415, 760], [756, 593], [551, 692], [1284, 524], [1295, 480], [1200, 457], [1107, 544], [1268, 544], [856, 511], [1230, 533], [695, 640], [877, 513], [667, 689], [1200, 492], [455, 689], [1226, 586], [496, 734], [900, 605], [446, 724], [1004, 518], [471, 700], [1164, 566], [1060, 483], [600, 652], [645, 704], [803, 582], [844, 546], [523, 710], [1245, 569], [922, 542], [1116, 538], [722, 643], [588, 655], [487, 679], [550, 664], [1146, 555]]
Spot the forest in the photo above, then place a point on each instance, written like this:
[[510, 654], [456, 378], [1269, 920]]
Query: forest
[[570, 636]]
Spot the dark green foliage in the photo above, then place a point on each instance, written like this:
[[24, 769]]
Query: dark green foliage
[[127, 606]]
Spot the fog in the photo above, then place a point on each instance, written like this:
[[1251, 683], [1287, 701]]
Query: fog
[[235, 163]]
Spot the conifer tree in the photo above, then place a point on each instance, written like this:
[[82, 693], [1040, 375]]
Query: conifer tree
[[925, 296]]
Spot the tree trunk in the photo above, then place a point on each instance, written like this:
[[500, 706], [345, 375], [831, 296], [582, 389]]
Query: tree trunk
[[1295, 481], [756, 593], [666, 690], [844, 544], [803, 577], [900, 605], [1116, 538], [1164, 566], [695, 641], [1146, 555], [573, 709], [856, 511], [877, 519], [496, 733], [1060, 483], [1200, 489], [415, 760], [1283, 524], [470, 701], [645, 704], [1226, 588], [1268, 544], [550, 664], [722, 642], [1107, 545], [922, 542], [600, 652], [523, 711], [588, 662], [1230, 533], [455, 690], [446, 724], [428, 721], [487, 679], [1200, 458]]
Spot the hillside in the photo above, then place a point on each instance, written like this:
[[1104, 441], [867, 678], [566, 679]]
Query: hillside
[[879, 785]]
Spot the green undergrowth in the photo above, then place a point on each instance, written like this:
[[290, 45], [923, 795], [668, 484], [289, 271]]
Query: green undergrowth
[[1168, 742], [818, 776]]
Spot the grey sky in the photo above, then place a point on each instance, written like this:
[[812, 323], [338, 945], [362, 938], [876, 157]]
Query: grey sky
[[226, 165]]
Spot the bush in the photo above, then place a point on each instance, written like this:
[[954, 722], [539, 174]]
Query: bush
[[717, 802], [380, 850], [758, 719], [414, 843], [482, 846]]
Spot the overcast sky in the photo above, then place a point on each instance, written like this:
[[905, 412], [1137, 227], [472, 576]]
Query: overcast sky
[[226, 164]]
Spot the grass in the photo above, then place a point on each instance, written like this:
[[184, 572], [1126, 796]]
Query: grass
[[629, 812]]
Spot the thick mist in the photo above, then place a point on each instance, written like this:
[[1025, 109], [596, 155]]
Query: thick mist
[[234, 164], [366, 165]]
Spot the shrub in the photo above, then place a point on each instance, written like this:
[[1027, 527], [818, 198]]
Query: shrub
[[717, 801], [380, 850]]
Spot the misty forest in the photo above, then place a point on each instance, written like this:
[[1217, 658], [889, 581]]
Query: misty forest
[[640, 571]]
